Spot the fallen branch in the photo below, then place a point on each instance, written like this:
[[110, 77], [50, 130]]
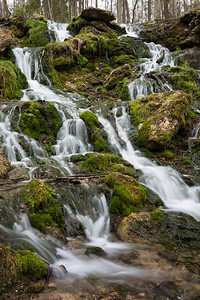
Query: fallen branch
[[39, 67], [114, 125], [161, 57]]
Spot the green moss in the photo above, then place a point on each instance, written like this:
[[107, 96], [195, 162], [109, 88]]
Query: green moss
[[12, 81], [31, 265], [128, 195], [191, 114], [40, 118], [157, 216], [184, 78], [100, 145], [90, 120], [167, 154], [75, 25], [41, 221], [122, 90], [103, 163], [42, 202], [37, 35]]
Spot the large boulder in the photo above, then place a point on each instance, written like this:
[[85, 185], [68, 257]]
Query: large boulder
[[12, 81], [39, 120], [7, 41], [173, 34], [159, 118], [99, 18], [97, 14]]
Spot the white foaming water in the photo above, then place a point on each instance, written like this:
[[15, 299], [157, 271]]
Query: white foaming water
[[164, 181], [131, 29], [59, 30]]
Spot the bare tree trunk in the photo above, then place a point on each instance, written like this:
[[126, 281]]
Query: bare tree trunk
[[6, 10], [119, 11], [50, 10], [127, 12], [157, 9], [123, 12], [96, 3], [185, 5], [134, 9], [1, 9], [149, 10], [166, 9]]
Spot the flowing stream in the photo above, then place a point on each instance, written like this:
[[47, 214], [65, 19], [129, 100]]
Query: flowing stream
[[72, 139]]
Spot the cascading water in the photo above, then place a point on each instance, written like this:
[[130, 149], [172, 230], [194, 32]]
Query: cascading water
[[58, 31], [147, 82], [72, 138]]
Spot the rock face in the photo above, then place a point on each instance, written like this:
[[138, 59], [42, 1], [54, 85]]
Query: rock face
[[159, 117], [174, 34], [4, 166]]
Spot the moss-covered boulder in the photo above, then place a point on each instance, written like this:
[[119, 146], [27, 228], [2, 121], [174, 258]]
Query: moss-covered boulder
[[39, 120], [36, 33], [16, 264], [159, 117], [10, 270], [175, 33], [4, 166], [103, 163], [97, 135], [12, 81], [171, 229], [128, 195], [98, 18], [43, 206]]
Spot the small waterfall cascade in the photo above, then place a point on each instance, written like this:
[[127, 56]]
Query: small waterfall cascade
[[58, 31], [147, 82], [164, 181], [72, 138]]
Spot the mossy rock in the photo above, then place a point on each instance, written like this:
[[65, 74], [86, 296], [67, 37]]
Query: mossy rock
[[15, 264], [31, 265], [37, 33], [98, 251], [159, 117], [103, 163], [39, 120], [10, 270], [43, 206], [97, 135], [128, 195], [12, 81], [122, 89], [171, 229]]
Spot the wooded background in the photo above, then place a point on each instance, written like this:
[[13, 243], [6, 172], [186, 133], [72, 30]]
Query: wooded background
[[126, 11]]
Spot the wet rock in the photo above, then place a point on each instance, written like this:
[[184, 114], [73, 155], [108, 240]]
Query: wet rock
[[159, 117], [95, 251], [175, 231], [5, 166]]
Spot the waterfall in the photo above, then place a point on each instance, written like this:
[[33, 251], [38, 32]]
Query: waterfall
[[58, 31], [147, 82], [72, 138], [164, 181]]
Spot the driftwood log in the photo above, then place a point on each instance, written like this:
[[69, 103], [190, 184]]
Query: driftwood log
[[161, 57]]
